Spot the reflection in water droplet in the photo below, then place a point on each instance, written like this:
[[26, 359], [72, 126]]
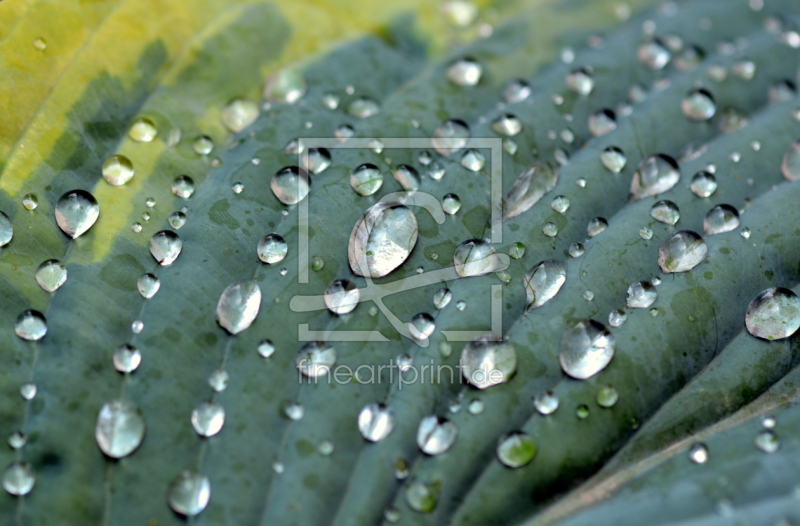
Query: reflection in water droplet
[[407, 176], [681, 252], [581, 80], [465, 72], [127, 358], [271, 249], [266, 348], [290, 185], [382, 239], [19, 478], [698, 454], [6, 230], [543, 281], [421, 326], [586, 349], [602, 122], [143, 130], [120, 428], [315, 359], [30, 325], [596, 226], [165, 247], [529, 187], [238, 306], [189, 493], [699, 105], [117, 170], [208, 418], [656, 174], [17, 440], [666, 212], [366, 179], [721, 218], [76, 212], [375, 422], [516, 449], [341, 296], [703, 184], [582, 412], [330, 101], [476, 258], [28, 390], [183, 186], [486, 362], [239, 114], [450, 137], [51, 274], [436, 435], [774, 314]]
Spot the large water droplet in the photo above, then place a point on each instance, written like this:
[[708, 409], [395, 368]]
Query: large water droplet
[[382, 239], [436, 435], [208, 418], [341, 296], [407, 176], [165, 247], [486, 362], [366, 179], [641, 295], [375, 422], [516, 449], [613, 159], [790, 166], [602, 122], [681, 252], [465, 72], [656, 174], [774, 314], [19, 478], [6, 230], [699, 105], [272, 249], [51, 275], [127, 358], [239, 114], [543, 281], [315, 359], [30, 325], [290, 185], [189, 493], [76, 212], [721, 218], [703, 184], [148, 285], [476, 258], [117, 170], [666, 212], [529, 187], [120, 428], [238, 306], [450, 137], [586, 349]]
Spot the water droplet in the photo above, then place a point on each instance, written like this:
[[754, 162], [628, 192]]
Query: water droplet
[[183, 186], [28, 390], [654, 54], [543, 281], [516, 91], [238, 306], [473, 160], [656, 174], [703, 184], [436, 435], [137, 326], [120, 428], [203, 145], [442, 298], [319, 159], [517, 250], [148, 285], [476, 258], [366, 179], [317, 263], [19, 478], [576, 250], [239, 114], [30, 325], [560, 204], [290, 185], [613, 159], [586, 349], [617, 317], [681, 252], [150, 203], [768, 422], [173, 137], [516, 449], [30, 202], [421, 327], [208, 418], [464, 72], [76, 212], [451, 204], [189, 493], [582, 412], [363, 107], [330, 100], [407, 176], [286, 86], [545, 402], [341, 296], [507, 124], [143, 130], [422, 496], [732, 120], [17, 440], [51, 274], [645, 233], [325, 448], [607, 396], [596, 226], [782, 91], [344, 132], [774, 314], [581, 80], [436, 171], [475, 406], [698, 105], [315, 359], [127, 358], [294, 411], [218, 380], [6, 230], [588, 295], [791, 163], [486, 362], [666, 212], [689, 59], [382, 239], [602, 122], [450, 137], [641, 295], [698, 454], [529, 188], [272, 249], [767, 441], [165, 247], [375, 422], [459, 13], [721, 218]]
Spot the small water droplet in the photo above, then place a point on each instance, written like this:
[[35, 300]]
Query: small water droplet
[[516, 449], [586, 349], [341, 296], [436, 435], [596, 226], [699, 105], [363, 107], [545, 402], [382, 239], [607, 396], [286, 86], [272, 249], [189, 493], [451, 204], [239, 114], [375, 422], [473, 160], [602, 122], [465, 72], [790, 167], [516, 91], [30, 325], [317, 263], [315, 359], [550, 229], [507, 124], [344, 132], [165, 247], [421, 327], [120, 428], [39, 44], [560, 204], [407, 176], [442, 298], [148, 285], [319, 159], [582, 412], [238, 306], [28, 390], [681, 252], [76, 212], [617, 317], [543, 281], [744, 69], [450, 137], [17, 440], [486, 362], [767, 441], [641, 295], [656, 174], [476, 258], [183, 186], [654, 54], [30, 202], [19, 478], [203, 145], [665, 211], [208, 418], [422, 496], [137, 326], [645, 233], [127, 358], [721, 218], [774, 314], [703, 184], [475, 406], [581, 80], [576, 250], [366, 179], [689, 58], [698, 454], [613, 159], [218, 380], [51, 274], [143, 130], [290, 185]]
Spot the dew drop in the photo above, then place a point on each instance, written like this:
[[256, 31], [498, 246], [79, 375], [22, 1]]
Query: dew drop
[[143, 130], [189, 493], [581, 81], [375, 422], [165, 247], [436, 435], [698, 454], [382, 239], [421, 327], [486, 362], [473, 160], [529, 188], [51, 274], [6, 230], [272, 249], [516, 449], [19, 478], [543, 281], [666, 212], [465, 72], [208, 418], [586, 349], [507, 124], [30, 202], [617, 317], [451, 204], [203, 145], [422, 496], [596, 226], [654, 54], [286, 86], [560, 204], [607, 396], [698, 105], [656, 174], [239, 114], [120, 428], [76, 212], [315, 359], [341, 296], [366, 179], [576, 250], [516, 91], [476, 258], [218, 380], [319, 159], [450, 137], [703, 184], [238, 306], [442, 298], [613, 159], [407, 176], [681, 252], [546, 402], [290, 185], [602, 122], [363, 107], [127, 358], [721, 218], [791, 163], [767, 441], [774, 314], [183, 186], [30, 325]]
